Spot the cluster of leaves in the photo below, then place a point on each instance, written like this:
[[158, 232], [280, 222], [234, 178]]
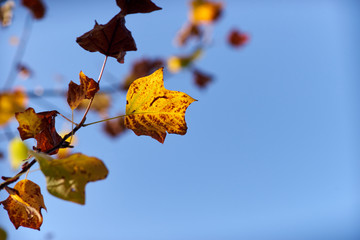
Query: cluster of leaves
[[151, 110]]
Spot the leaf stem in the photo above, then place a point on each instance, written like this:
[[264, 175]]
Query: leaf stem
[[104, 120]]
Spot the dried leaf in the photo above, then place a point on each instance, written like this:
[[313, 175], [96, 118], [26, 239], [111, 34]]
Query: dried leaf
[[86, 90], [40, 126], [6, 13], [136, 6], [36, 7], [10, 103], [101, 103], [187, 32], [205, 12], [66, 178], [112, 39], [201, 79], [140, 69], [18, 152], [153, 110], [24, 205], [116, 127], [237, 38]]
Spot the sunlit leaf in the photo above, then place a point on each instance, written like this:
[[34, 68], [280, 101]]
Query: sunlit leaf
[[136, 6], [86, 90], [66, 178], [112, 39], [6, 13], [24, 205], [153, 110], [205, 12], [36, 7], [18, 152], [40, 126], [10, 103]]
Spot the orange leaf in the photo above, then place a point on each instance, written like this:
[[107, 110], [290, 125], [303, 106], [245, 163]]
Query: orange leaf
[[153, 110], [40, 126], [205, 12], [24, 205], [10, 103], [86, 90]]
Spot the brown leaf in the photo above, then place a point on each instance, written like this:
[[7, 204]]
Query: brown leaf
[[100, 104], [36, 7], [187, 32], [112, 39], [115, 127], [86, 90], [24, 205], [201, 79], [23, 71], [136, 6], [40, 126], [140, 69], [237, 38]]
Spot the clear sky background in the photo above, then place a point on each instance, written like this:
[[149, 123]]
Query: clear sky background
[[272, 150]]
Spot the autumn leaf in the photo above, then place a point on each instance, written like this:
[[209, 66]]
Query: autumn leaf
[[3, 234], [187, 32], [86, 90], [66, 178], [141, 68], [153, 110], [101, 103], [136, 6], [115, 127], [201, 79], [23, 71], [40, 126], [112, 39], [177, 63], [18, 152], [205, 12], [36, 7], [24, 205], [6, 13], [237, 38], [10, 103]]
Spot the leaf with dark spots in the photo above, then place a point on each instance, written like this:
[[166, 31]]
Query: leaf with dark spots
[[136, 6], [112, 39]]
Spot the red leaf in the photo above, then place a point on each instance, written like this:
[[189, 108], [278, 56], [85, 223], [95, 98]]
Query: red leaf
[[36, 7], [237, 38], [112, 39]]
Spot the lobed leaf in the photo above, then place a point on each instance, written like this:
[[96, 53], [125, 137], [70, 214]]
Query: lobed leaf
[[153, 110], [112, 39], [66, 178], [24, 205]]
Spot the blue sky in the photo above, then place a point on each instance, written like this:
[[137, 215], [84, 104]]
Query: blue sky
[[272, 146]]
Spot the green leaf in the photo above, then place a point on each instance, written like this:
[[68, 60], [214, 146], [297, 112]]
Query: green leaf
[[66, 178], [3, 234], [18, 152]]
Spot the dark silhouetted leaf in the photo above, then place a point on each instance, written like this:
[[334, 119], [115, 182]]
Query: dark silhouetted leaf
[[201, 79], [237, 38], [136, 6], [36, 7], [115, 127], [112, 39]]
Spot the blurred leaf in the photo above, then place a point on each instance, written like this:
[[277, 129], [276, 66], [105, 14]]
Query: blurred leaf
[[6, 13], [177, 63], [100, 104], [24, 205], [187, 32], [40, 126], [36, 7], [18, 152], [10, 103], [3, 234], [66, 178], [205, 12], [153, 110], [140, 69], [23, 71], [115, 127], [201, 79], [86, 90], [112, 39], [237, 38], [136, 6]]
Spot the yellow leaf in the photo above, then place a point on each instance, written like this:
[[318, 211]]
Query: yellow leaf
[[24, 205], [153, 110], [10, 103], [30, 124], [176, 63], [205, 12], [18, 151]]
